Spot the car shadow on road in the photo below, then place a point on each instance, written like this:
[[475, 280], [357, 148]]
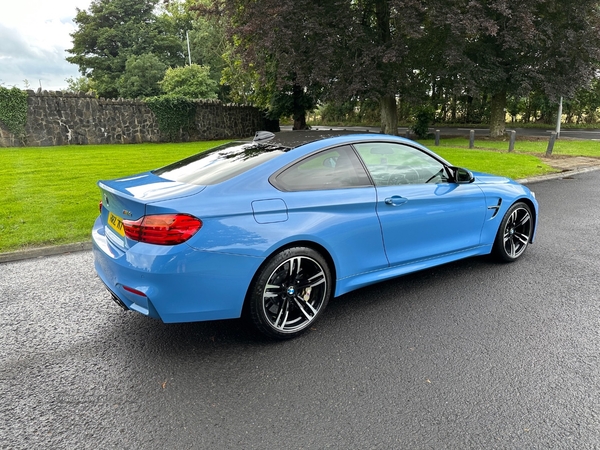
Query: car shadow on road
[[420, 289]]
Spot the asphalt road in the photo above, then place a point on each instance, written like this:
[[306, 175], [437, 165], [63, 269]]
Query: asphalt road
[[469, 355]]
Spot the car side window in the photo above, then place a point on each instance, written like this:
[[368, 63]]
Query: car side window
[[392, 164], [336, 168]]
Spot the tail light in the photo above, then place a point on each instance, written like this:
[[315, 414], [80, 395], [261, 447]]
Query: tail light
[[162, 229]]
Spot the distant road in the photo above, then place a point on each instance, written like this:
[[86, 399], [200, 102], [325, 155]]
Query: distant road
[[587, 134]]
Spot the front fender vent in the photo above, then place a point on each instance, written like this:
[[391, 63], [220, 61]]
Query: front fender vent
[[495, 208]]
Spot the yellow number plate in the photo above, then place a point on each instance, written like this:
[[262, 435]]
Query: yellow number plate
[[116, 223]]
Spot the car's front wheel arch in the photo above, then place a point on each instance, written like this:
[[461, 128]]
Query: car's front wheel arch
[[529, 203]]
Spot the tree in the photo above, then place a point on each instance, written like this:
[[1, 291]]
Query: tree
[[467, 55], [310, 50], [80, 84], [141, 77], [209, 45], [280, 41], [510, 47], [376, 57], [115, 30], [585, 106], [190, 81]]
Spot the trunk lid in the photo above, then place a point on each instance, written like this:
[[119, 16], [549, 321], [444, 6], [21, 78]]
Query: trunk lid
[[127, 198]]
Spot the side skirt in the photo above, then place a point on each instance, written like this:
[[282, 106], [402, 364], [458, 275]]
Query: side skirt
[[348, 284]]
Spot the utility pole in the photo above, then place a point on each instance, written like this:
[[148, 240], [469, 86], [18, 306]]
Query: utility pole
[[187, 37], [559, 118]]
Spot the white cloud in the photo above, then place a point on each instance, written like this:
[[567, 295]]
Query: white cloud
[[34, 36]]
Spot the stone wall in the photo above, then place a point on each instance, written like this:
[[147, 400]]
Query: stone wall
[[55, 118], [7, 139]]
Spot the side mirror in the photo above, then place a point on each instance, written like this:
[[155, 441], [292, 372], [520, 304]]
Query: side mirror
[[462, 176]]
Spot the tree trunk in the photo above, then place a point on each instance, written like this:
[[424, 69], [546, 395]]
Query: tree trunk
[[389, 112], [389, 115], [299, 122], [498, 114], [299, 108], [453, 108], [468, 118]]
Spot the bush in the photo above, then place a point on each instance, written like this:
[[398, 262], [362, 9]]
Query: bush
[[174, 113], [190, 81], [423, 117]]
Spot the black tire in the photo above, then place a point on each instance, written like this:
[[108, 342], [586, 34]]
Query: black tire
[[290, 292], [514, 233]]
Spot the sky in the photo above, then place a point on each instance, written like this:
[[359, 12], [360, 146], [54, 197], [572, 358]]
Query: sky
[[34, 36]]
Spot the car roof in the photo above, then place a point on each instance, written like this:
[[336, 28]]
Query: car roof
[[293, 139], [299, 144], [311, 140]]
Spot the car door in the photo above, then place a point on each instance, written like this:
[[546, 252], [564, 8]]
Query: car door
[[331, 200], [422, 213]]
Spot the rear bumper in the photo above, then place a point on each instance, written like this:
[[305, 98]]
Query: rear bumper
[[173, 283]]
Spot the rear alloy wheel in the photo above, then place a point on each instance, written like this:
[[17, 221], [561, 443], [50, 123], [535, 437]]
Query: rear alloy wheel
[[290, 292], [514, 233]]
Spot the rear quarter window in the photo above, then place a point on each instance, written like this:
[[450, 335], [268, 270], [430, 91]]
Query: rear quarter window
[[336, 168]]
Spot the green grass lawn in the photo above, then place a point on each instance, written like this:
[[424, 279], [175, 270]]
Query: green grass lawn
[[512, 165], [562, 147], [48, 195]]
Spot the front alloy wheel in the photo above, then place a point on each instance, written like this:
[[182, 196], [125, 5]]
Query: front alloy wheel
[[290, 292], [514, 233]]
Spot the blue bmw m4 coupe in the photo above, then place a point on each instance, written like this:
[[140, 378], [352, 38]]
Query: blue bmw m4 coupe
[[277, 230]]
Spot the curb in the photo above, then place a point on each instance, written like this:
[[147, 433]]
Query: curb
[[554, 176], [20, 255], [44, 251]]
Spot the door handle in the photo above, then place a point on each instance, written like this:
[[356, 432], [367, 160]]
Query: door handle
[[395, 200]]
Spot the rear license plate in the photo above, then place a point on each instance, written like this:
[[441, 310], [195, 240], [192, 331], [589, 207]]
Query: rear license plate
[[116, 223]]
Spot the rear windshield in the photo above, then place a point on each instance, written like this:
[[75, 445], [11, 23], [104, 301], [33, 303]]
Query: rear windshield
[[220, 163]]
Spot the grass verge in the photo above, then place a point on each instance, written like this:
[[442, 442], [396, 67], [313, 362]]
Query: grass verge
[[48, 195]]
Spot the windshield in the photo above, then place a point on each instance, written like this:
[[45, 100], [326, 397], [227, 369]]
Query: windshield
[[220, 163]]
